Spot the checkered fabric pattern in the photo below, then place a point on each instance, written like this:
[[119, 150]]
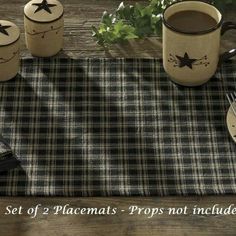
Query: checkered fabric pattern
[[102, 127]]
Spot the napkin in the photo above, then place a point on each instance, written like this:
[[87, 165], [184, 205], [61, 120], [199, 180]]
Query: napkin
[[8, 160]]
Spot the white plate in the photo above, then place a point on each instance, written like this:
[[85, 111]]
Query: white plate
[[231, 122]]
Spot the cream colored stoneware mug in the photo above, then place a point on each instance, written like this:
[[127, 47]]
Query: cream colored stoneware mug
[[191, 59]]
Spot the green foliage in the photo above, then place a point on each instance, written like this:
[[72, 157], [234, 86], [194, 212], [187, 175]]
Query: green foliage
[[130, 22], [135, 21]]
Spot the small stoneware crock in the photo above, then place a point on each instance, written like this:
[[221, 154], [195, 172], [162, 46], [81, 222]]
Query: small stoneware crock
[[44, 26], [9, 50]]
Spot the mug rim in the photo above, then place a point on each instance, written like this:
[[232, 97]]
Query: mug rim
[[218, 25]]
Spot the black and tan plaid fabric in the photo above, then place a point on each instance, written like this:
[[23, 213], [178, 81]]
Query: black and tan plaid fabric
[[95, 127]]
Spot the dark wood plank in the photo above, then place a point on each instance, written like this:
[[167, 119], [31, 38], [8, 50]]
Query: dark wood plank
[[80, 15], [120, 224]]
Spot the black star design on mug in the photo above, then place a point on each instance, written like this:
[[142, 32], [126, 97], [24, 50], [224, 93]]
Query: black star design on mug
[[186, 61], [44, 5], [3, 29]]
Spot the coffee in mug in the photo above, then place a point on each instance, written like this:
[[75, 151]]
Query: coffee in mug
[[191, 21], [191, 42]]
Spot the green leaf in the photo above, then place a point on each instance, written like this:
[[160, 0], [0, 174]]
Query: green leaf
[[138, 21], [106, 19]]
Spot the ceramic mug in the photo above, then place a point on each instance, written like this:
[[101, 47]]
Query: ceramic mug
[[191, 59]]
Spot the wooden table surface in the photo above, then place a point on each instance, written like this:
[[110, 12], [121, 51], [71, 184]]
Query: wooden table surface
[[79, 16]]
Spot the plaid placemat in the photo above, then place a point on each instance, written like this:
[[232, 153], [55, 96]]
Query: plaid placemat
[[95, 127]]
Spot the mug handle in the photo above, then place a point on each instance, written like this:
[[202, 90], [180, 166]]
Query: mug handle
[[231, 53]]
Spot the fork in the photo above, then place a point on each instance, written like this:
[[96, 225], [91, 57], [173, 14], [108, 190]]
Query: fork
[[232, 98]]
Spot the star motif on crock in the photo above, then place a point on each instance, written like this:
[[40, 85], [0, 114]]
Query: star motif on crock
[[3, 29], [179, 61], [44, 5]]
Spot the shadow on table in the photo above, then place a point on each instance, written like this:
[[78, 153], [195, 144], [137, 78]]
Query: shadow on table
[[150, 47], [103, 149]]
